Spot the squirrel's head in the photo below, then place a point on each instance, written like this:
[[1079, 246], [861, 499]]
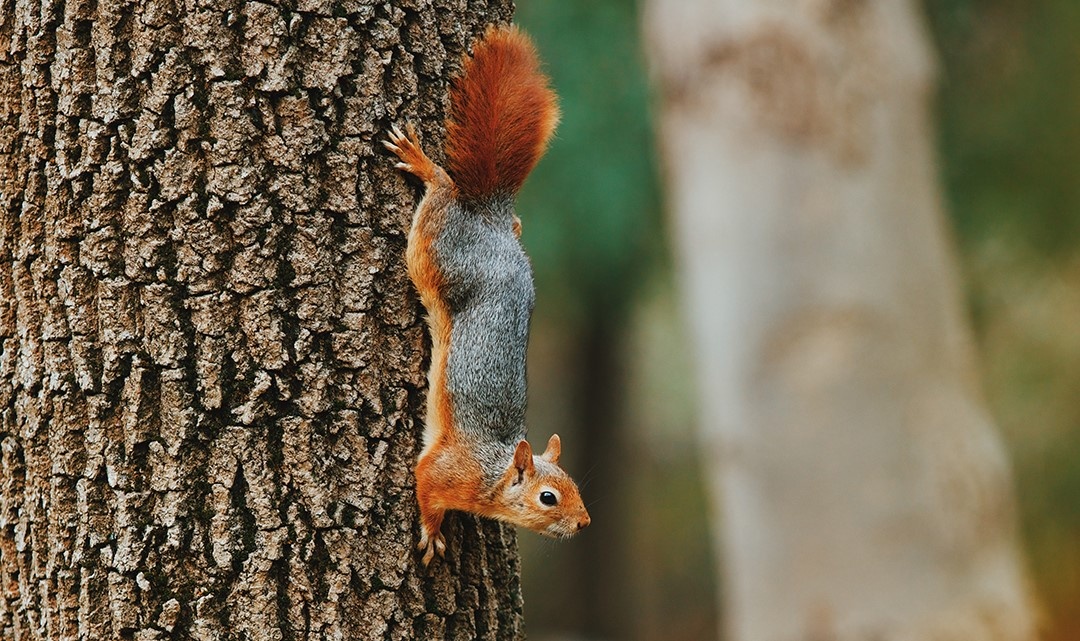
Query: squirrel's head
[[539, 495]]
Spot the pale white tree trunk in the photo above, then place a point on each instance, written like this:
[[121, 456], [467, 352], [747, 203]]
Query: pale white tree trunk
[[860, 489]]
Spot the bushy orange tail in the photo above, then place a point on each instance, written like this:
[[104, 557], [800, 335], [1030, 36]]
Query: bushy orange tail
[[502, 114]]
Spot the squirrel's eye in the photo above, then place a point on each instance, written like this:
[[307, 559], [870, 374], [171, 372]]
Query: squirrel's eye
[[548, 498]]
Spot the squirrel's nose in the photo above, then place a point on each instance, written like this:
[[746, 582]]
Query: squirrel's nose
[[584, 522]]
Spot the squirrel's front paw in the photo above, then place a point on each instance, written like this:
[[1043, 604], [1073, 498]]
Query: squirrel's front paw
[[429, 545]]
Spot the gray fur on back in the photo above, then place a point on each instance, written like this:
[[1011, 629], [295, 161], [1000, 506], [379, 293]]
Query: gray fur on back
[[490, 295]]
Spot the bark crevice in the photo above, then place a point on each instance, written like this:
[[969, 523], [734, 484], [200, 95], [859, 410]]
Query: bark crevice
[[207, 335]]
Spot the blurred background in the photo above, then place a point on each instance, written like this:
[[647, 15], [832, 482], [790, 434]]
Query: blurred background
[[610, 367]]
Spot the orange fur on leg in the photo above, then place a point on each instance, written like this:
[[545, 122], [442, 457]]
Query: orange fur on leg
[[413, 158], [429, 282], [431, 516]]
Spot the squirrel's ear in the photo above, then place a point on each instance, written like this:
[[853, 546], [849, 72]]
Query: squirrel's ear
[[554, 449], [523, 461]]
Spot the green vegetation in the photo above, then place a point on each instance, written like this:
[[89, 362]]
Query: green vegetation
[[1009, 114], [1010, 143]]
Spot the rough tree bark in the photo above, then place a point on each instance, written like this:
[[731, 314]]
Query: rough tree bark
[[862, 491], [208, 335]]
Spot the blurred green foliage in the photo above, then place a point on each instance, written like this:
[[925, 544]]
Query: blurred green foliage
[[1010, 143], [590, 210], [1010, 119]]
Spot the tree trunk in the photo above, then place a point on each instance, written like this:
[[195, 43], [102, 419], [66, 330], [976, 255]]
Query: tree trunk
[[209, 337], [862, 491]]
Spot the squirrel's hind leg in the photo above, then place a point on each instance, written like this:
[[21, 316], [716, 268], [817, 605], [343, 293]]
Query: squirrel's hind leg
[[413, 159]]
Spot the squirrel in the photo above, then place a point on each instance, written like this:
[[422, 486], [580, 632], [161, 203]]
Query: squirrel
[[475, 281]]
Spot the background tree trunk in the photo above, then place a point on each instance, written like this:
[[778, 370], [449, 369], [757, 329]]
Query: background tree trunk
[[208, 333], [862, 491]]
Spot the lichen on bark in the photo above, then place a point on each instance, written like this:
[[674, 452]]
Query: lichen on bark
[[208, 336]]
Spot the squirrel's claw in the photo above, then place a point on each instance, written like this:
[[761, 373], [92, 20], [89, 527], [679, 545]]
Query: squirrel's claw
[[413, 160], [430, 545], [397, 142]]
